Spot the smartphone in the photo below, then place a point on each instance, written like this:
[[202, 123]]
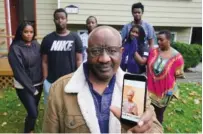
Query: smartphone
[[133, 98]]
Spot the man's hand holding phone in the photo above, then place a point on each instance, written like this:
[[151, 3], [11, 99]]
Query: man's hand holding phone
[[144, 124]]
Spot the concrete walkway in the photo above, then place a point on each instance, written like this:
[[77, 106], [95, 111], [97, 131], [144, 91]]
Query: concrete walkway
[[194, 76]]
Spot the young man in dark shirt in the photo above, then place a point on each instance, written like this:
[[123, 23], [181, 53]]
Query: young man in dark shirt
[[61, 51]]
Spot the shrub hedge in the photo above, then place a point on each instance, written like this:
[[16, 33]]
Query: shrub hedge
[[192, 53]]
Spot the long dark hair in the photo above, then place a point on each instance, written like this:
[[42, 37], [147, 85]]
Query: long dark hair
[[19, 31], [142, 34]]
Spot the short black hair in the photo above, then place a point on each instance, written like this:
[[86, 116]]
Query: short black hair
[[167, 33], [91, 17], [19, 31], [60, 10], [138, 5]]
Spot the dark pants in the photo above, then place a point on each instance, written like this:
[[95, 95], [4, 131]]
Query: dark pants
[[159, 113], [30, 103]]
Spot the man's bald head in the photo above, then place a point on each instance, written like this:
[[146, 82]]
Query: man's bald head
[[104, 35], [130, 95], [104, 53]]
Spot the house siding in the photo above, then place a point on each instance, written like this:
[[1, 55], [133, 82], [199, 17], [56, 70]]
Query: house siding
[[2, 15], [183, 35], [44, 17], [3, 41], [178, 13]]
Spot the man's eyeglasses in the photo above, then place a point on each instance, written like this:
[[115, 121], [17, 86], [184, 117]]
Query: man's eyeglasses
[[97, 51]]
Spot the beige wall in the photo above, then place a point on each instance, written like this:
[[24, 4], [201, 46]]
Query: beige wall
[[185, 13], [3, 44], [44, 13], [176, 15], [2, 14], [184, 35]]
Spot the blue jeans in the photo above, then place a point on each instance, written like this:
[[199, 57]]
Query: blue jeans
[[30, 103], [47, 86]]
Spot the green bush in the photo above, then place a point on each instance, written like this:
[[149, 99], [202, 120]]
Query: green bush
[[192, 53]]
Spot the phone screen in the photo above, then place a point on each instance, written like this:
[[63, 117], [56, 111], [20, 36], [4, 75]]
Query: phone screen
[[133, 100]]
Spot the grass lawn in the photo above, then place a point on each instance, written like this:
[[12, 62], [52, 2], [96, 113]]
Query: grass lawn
[[12, 113], [183, 115]]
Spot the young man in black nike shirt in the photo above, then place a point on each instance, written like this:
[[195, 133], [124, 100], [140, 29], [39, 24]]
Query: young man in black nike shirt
[[61, 51]]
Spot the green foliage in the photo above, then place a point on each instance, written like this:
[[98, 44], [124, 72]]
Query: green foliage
[[192, 53]]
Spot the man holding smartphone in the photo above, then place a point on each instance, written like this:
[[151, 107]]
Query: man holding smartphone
[[89, 101]]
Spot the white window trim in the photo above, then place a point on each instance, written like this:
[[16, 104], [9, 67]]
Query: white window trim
[[190, 38], [175, 35]]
